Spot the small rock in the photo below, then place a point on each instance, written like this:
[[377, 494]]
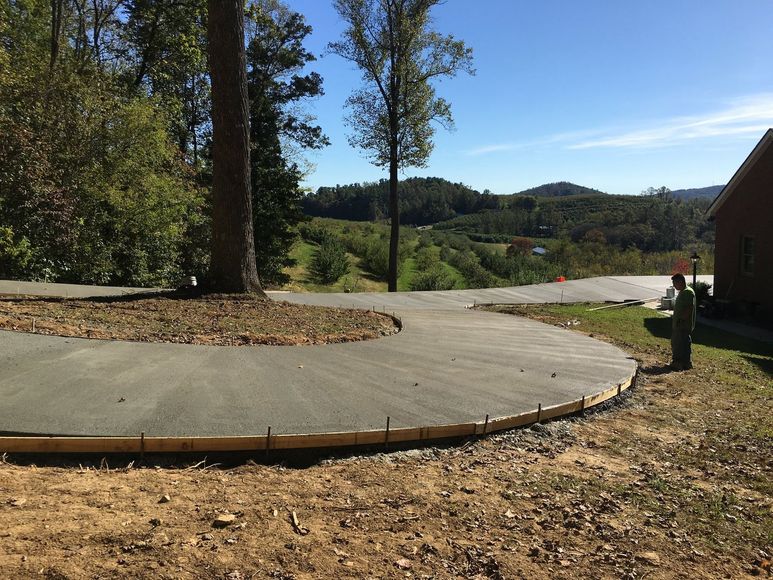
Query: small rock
[[165, 499], [155, 522], [18, 501], [649, 557], [223, 520], [403, 564]]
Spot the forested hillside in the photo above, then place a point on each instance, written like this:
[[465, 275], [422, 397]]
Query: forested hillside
[[656, 222], [423, 200], [709, 192]]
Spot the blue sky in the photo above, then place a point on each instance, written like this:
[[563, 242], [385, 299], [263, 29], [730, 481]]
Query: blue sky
[[615, 95]]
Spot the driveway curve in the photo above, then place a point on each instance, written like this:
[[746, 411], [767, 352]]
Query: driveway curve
[[449, 365]]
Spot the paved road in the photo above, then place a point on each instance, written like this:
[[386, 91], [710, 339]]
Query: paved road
[[448, 365]]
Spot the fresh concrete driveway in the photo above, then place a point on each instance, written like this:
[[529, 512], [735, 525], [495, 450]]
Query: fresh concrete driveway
[[448, 365]]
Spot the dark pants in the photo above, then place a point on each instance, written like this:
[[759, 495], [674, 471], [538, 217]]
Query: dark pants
[[681, 347]]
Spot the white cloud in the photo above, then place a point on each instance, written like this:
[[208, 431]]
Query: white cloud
[[744, 117], [749, 116], [491, 149]]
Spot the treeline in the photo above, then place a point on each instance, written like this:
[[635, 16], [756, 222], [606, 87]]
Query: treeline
[[105, 137], [423, 201], [652, 223]]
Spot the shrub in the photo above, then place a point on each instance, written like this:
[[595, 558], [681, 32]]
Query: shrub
[[329, 262], [434, 278], [376, 257], [701, 292], [475, 274], [315, 233]]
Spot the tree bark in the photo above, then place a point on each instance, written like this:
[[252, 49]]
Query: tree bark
[[233, 267], [56, 31], [394, 213]]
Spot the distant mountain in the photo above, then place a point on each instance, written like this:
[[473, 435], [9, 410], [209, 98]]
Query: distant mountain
[[707, 192], [560, 189]]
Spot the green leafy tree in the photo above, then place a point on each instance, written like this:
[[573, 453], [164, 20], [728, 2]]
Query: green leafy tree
[[164, 47], [91, 186], [329, 261], [400, 55], [275, 58]]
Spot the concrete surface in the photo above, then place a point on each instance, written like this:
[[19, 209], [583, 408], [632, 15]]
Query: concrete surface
[[448, 365]]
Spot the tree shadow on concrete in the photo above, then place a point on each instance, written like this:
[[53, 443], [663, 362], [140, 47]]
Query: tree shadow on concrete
[[660, 327]]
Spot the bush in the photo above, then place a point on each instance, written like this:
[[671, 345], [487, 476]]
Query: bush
[[315, 233], [329, 262], [376, 257], [435, 278], [701, 292], [430, 273], [475, 274]]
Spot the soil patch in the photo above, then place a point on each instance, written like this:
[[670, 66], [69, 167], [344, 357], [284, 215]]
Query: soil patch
[[224, 320]]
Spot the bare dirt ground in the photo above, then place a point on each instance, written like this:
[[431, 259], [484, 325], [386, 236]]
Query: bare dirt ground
[[232, 320], [670, 482]]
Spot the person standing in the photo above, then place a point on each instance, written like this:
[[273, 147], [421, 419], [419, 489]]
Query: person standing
[[682, 325]]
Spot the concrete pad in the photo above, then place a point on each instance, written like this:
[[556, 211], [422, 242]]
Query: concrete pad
[[448, 365], [444, 367]]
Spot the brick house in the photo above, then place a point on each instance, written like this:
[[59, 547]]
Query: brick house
[[743, 211]]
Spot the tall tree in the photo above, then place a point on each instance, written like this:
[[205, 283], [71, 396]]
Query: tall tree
[[400, 55], [165, 42], [233, 246], [275, 58]]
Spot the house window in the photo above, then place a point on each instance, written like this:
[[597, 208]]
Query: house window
[[747, 255]]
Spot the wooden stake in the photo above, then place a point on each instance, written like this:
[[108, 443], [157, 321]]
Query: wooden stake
[[142, 446], [386, 437], [582, 410], [268, 440], [485, 425], [539, 413]]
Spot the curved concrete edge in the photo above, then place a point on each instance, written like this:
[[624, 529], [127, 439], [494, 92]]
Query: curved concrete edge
[[268, 442]]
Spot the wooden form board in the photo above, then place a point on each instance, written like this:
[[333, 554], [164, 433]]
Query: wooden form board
[[142, 444]]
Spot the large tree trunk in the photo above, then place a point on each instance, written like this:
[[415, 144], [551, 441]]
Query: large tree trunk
[[394, 214], [233, 267]]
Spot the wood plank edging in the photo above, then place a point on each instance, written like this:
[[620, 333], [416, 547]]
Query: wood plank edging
[[138, 444]]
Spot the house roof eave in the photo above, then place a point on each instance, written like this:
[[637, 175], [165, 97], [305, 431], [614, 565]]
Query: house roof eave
[[732, 185]]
